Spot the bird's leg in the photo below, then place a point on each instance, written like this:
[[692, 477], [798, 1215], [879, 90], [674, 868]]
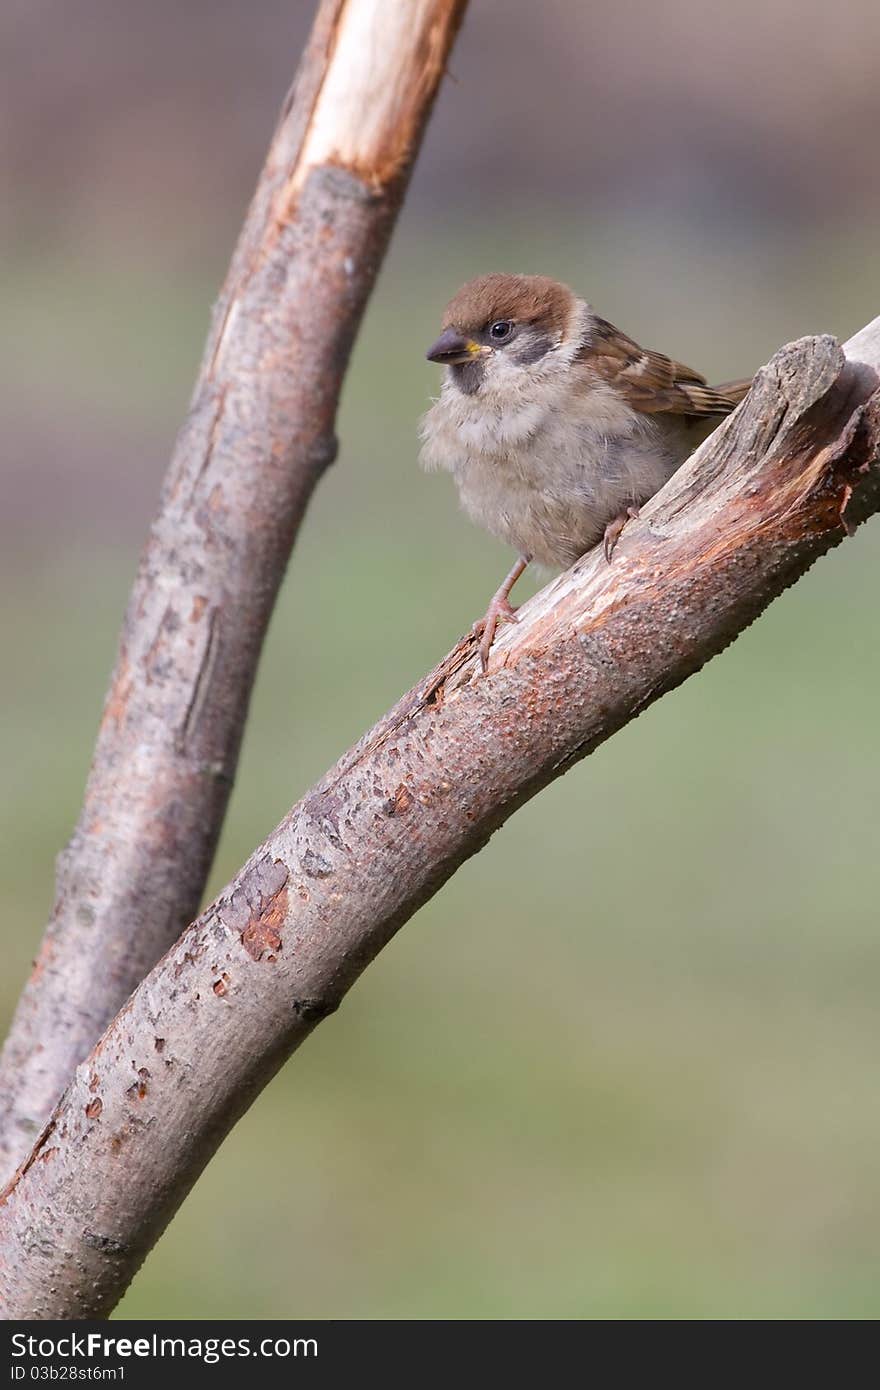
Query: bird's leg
[[614, 528], [499, 611]]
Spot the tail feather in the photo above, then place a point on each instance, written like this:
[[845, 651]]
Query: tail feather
[[735, 391]]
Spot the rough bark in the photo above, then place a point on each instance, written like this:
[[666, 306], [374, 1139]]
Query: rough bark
[[782, 481], [258, 436]]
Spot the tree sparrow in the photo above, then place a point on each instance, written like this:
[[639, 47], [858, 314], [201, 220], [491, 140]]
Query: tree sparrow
[[555, 425]]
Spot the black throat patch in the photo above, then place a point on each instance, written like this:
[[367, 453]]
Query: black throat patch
[[468, 376]]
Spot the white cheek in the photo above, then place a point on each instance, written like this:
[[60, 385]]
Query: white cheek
[[512, 406]]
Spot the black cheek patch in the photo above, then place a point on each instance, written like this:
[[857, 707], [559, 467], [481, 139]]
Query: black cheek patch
[[468, 376], [530, 347]]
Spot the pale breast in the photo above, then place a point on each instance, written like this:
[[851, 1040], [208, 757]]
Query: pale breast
[[546, 477]]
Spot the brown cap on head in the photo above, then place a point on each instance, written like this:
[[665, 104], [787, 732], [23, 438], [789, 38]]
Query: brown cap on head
[[523, 298]]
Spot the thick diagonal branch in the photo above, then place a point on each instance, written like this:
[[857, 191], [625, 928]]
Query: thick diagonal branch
[[258, 436], [778, 484]]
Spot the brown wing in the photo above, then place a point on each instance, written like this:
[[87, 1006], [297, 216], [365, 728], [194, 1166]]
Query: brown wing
[[651, 382]]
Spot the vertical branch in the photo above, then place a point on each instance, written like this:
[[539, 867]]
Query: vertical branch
[[258, 436]]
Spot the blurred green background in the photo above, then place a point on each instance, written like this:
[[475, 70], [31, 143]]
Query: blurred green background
[[624, 1065]]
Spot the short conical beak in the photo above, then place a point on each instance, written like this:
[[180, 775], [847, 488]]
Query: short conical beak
[[452, 347]]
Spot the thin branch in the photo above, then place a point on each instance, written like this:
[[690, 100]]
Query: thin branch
[[779, 483], [258, 437]]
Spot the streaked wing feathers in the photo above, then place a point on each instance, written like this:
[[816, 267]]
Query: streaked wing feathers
[[653, 383]]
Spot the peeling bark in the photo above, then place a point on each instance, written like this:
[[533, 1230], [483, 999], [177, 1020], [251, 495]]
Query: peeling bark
[[258, 437], [780, 482]]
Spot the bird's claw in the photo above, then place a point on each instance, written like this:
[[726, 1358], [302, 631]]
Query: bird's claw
[[499, 611], [614, 528]]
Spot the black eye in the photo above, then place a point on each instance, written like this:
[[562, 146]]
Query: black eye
[[501, 330]]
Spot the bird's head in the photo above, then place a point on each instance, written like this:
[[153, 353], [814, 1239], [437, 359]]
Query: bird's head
[[502, 325]]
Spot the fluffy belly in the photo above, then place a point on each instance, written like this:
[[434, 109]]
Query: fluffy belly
[[554, 503], [547, 480]]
